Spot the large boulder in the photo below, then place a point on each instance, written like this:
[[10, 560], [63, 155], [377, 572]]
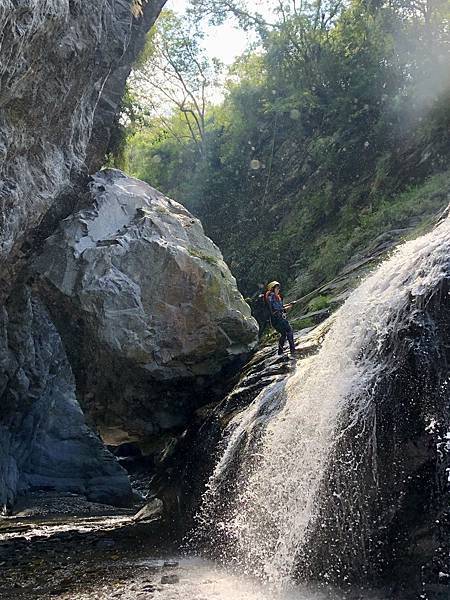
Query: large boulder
[[144, 301], [44, 440]]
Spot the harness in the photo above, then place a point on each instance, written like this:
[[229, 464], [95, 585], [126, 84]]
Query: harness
[[279, 314]]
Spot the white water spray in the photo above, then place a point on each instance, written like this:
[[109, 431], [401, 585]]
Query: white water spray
[[283, 440]]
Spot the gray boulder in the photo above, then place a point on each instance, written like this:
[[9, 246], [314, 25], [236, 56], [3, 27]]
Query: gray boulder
[[144, 301], [44, 440]]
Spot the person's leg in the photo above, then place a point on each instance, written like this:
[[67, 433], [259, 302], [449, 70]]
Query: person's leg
[[279, 325], [290, 337], [281, 342]]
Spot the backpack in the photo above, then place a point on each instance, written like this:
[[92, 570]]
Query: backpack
[[261, 311]]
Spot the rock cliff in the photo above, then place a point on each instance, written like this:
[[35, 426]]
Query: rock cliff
[[63, 67]]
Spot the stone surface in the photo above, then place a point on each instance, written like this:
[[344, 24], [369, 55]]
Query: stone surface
[[63, 67], [40, 505], [151, 511], [44, 440], [144, 301]]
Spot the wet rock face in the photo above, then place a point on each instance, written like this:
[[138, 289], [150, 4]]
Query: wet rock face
[[63, 66], [181, 469], [389, 525], [144, 301], [44, 440]]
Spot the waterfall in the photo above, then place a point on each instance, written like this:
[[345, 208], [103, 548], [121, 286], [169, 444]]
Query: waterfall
[[261, 499]]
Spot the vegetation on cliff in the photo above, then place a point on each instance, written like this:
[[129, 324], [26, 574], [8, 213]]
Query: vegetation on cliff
[[332, 130]]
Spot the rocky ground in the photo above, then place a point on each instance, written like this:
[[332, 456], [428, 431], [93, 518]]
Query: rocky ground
[[107, 556], [65, 547]]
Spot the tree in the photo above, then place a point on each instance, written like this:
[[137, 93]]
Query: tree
[[320, 12], [175, 75]]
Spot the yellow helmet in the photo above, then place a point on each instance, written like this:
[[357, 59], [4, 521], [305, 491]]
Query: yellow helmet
[[272, 284]]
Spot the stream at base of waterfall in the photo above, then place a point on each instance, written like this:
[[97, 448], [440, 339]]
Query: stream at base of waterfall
[[103, 557]]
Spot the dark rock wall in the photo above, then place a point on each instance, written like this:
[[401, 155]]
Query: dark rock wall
[[44, 440]]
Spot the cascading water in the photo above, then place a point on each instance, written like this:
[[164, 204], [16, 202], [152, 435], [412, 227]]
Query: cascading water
[[262, 498]]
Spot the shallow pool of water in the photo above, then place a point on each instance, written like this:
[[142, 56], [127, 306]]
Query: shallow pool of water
[[200, 579], [107, 557]]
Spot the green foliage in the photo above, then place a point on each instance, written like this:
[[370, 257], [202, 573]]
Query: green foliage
[[269, 337], [174, 78], [416, 202], [299, 324], [206, 257], [415, 207], [130, 118], [332, 133], [319, 303]]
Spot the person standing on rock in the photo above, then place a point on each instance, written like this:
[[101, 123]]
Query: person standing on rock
[[277, 311]]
